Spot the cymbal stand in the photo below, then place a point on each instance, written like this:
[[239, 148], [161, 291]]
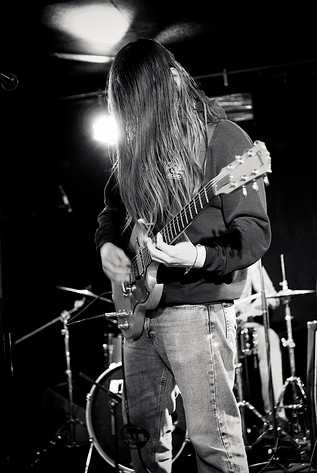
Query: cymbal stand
[[65, 315], [244, 405], [58, 437], [299, 397]]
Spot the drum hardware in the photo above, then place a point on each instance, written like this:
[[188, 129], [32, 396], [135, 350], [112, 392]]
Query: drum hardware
[[299, 402], [99, 422], [247, 340], [247, 344], [115, 400], [128, 431], [86, 292], [64, 317], [244, 406], [271, 427], [112, 348], [59, 437]]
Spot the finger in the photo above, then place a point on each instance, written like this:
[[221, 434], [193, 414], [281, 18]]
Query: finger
[[157, 254], [159, 238], [161, 245]]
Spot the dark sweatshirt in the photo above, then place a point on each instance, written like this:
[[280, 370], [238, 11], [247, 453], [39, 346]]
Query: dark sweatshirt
[[235, 229]]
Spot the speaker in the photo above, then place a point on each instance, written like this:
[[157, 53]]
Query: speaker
[[311, 383]]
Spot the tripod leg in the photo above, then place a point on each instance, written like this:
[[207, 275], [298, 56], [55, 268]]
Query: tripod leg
[[297, 408], [89, 455], [245, 406]]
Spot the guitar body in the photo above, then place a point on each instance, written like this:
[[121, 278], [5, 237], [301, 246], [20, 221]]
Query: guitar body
[[132, 301]]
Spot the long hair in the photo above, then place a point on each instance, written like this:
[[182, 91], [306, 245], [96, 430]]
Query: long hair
[[160, 131]]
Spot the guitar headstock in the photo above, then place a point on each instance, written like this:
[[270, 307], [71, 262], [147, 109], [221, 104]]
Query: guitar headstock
[[253, 164]]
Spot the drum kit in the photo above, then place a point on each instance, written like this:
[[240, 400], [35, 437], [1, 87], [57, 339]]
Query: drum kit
[[293, 399], [104, 421]]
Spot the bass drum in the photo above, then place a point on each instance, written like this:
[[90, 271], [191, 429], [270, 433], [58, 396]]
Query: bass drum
[[99, 420]]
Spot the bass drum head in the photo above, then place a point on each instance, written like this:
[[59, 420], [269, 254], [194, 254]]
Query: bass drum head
[[99, 421]]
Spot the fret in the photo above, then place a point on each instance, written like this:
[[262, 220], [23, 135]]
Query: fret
[[195, 207], [178, 225], [182, 220], [191, 214], [206, 194], [186, 215]]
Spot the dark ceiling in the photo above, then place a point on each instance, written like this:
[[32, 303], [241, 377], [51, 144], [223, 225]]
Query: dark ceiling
[[207, 37]]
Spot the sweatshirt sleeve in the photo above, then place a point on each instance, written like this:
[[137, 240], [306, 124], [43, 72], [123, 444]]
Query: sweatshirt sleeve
[[246, 233], [111, 219]]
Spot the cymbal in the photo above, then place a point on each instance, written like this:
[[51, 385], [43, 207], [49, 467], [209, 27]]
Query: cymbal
[[280, 295], [290, 293], [84, 292]]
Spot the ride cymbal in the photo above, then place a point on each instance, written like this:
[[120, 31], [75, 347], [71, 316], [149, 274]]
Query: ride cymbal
[[290, 293], [281, 294]]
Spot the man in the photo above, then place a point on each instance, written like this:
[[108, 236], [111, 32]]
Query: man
[[174, 140]]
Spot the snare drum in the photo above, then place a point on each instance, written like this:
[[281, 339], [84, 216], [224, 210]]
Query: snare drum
[[99, 421]]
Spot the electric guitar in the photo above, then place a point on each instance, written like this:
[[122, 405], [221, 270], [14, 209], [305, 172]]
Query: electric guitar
[[142, 293]]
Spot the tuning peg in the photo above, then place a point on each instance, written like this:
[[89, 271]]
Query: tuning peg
[[255, 186], [266, 180]]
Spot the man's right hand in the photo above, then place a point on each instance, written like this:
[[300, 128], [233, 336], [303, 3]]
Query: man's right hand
[[115, 263]]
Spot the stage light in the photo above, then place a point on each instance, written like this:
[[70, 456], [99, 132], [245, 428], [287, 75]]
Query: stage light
[[105, 130], [100, 27]]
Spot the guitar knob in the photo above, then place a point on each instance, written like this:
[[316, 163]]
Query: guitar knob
[[124, 325]]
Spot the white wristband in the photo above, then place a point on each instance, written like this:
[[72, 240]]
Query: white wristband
[[201, 256]]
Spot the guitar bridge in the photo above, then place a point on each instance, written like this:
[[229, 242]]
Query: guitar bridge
[[124, 314]]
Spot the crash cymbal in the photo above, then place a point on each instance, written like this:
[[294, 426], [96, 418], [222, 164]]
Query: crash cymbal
[[290, 293], [281, 294], [84, 292]]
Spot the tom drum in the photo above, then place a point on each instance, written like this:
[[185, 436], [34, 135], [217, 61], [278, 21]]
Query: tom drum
[[247, 340]]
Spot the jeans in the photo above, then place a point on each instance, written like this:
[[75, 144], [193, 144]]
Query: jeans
[[191, 349]]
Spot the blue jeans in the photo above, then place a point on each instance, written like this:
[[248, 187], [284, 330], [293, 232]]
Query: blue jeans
[[191, 349]]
